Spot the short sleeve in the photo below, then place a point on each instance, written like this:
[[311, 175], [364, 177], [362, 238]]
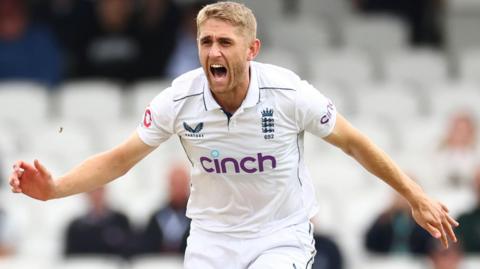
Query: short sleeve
[[315, 113], [158, 120]]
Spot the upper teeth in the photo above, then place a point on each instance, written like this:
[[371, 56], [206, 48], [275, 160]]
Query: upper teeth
[[216, 65]]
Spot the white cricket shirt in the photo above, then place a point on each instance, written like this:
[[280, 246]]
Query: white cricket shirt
[[248, 175]]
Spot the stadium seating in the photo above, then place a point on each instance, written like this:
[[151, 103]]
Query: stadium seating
[[399, 96], [281, 57], [155, 262], [388, 102], [471, 262], [91, 102], [469, 65], [365, 32], [342, 66], [447, 98], [25, 263], [90, 262], [418, 66], [461, 25], [378, 262], [23, 104]]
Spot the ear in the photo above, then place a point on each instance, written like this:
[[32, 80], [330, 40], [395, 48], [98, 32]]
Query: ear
[[254, 49]]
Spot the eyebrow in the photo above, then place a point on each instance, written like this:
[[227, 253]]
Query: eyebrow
[[205, 38], [221, 39]]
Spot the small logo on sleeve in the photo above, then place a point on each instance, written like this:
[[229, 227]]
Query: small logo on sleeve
[[147, 118], [193, 131], [328, 115], [268, 123]]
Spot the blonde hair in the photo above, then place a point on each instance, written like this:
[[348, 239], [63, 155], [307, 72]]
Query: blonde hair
[[235, 13]]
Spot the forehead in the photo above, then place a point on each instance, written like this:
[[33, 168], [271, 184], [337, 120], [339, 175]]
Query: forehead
[[218, 28]]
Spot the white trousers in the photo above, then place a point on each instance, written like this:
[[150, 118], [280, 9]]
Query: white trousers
[[289, 248]]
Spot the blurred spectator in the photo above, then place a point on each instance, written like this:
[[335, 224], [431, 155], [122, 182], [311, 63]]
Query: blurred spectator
[[110, 48], [101, 230], [458, 155], [423, 16], [328, 254], [27, 50], [2, 175], [158, 24], [444, 258], [168, 227], [7, 230], [469, 229], [70, 20], [395, 231], [185, 54]]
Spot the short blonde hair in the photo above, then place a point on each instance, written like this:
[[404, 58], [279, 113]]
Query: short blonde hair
[[235, 13]]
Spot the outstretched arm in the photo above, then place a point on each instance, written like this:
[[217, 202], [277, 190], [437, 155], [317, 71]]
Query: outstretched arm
[[37, 182], [430, 214]]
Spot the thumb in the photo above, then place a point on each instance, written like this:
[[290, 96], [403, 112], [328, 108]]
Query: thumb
[[23, 165], [43, 171]]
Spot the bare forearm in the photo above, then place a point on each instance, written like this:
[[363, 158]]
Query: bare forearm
[[429, 214], [377, 162], [90, 174]]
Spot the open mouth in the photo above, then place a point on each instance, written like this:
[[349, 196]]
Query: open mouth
[[218, 71]]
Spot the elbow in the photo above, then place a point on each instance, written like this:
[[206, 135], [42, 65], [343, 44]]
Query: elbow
[[122, 169], [348, 150]]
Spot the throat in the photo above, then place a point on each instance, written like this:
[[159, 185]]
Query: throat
[[229, 101], [228, 114]]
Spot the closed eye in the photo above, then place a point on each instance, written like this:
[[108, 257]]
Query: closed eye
[[225, 42], [205, 41]]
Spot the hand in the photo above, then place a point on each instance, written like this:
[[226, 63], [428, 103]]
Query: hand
[[433, 217], [34, 181]]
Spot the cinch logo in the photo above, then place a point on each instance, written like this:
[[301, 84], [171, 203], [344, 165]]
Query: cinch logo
[[247, 164]]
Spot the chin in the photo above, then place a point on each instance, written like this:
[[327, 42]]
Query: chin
[[218, 89]]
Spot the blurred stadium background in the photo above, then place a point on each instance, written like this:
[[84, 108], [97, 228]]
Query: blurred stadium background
[[396, 78]]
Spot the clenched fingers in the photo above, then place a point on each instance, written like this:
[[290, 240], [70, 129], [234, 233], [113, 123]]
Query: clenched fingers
[[14, 181], [15, 176]]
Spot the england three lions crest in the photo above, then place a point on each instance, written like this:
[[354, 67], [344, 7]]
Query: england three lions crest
[[268, 124]]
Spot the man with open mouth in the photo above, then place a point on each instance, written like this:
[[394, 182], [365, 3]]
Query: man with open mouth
[[241, 124]]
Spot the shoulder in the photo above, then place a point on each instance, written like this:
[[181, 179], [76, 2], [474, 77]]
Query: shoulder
[[275, 77], [187, 85]]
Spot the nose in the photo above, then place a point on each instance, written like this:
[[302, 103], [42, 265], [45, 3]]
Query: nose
[[215, 50]]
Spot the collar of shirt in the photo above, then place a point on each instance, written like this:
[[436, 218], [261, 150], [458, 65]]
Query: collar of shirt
[[252, 98]]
